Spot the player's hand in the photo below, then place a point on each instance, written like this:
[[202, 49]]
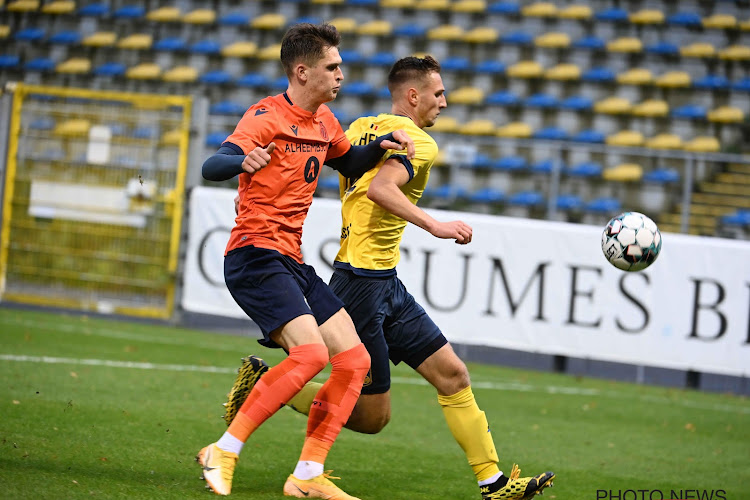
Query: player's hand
[[456, 230], [237, 205], [258, 158], [401, 141]]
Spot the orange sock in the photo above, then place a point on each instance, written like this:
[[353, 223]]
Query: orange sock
[[334, 402], [277, 386]]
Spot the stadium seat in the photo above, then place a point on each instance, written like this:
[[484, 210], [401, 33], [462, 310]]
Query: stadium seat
[[539, 9], [455, 64], [29, 35], [612, 106], [59, 7], [481, 35], [23, 6], [110, 69], [563, 72], [445, 124], [467, 95], [217, 77], [75, 66], [200, 16], [9, 61], [227, 108], [505, 8], [674, 79], [94, 10], [577, 103], [625, 172], [735, 53], [664, 141], [359, 89], [206, 47], [344, 24], [568, 207], [598, 75], [663, 48], [591, 136], [702, 144], [100, 39], [4, 31], [180, 74], [144, 71], [375, 28], [236, 18], [589, 42], [172, 44], [502, 98], [599, 210], [410, 30], [719, 21], [65, 38], [651, 108], [726, 114], [136, 41], [517, 38], [478, 127], [544, 101], [268, 22], [164, 15], [129, 12], [647, 16], [613, 14], [625, 138], [241, 49], [518, 130], [351, 56], [712, 82], [216, 139], [270, 53], [526, 69], [40, 65], [701, 50], [525, 204], [654, 192], [487, 195], [551, 133], [626, 45], [686, 19], [690, 111], [490, 66]]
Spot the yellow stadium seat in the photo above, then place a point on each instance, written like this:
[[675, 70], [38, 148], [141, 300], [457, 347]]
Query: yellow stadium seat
[[74, 66], [144, 71], [398, 4], [445, 124], [4, 31], [327, 2], [651, 108], [745, 25], [625, 172], [539, 9], [563, 71], [726, 114], [720, 21], [471, 6], [674, 79], [172, 137], [553, 40], [136, 41], [164, 15], [635, 76], [625, 138], [612, 106], [75, 127], [239, 49], [735, 53], [377, 27], [478, 127], [664, 141], [200, 16], [647, 16], [180, 74], [344, 24], [433, 4], [466, 95], [59, 7], [625, 45], [526, 69], [702, 144], [23, 6], [580, 12], [268, 22], [482, 34], [446, 32], [698, 49], [518, 130], [270, 53], [100, 39]]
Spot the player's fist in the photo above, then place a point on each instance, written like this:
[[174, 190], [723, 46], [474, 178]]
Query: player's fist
[[401, 141], [456, 230], [258, 158]]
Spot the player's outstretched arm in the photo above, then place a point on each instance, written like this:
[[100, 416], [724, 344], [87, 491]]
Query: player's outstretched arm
[[230, 161], [385, 191], [359, 159]]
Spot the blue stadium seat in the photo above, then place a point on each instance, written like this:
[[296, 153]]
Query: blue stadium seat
[[590, 42], [329, 183], [359, 89], [40, 64], [527, 199], [9, 61], [171, 44], [341, 115], [215, 139], [577, 103], [712, 82], [234, 19], [490, 67], [502, 98], [569, 202], [253, 80], [592, 136], [543, 167], [29, 35], [551, 133], [383, 93], [146, 132], [129, 12], [604, 205], [281, 82], [351, 56], [44, 123], [612, 14], [447, 192], [218, 77], [110, 69], [690, 111], [307, 19], [487, 195], [208, 47], [227, 108], [517, 38], [94, 10], [687, 19], [662, 176], [544, 101], [505, 8], [598, 75], [411, 30], [586, 169], [382, 59], [512, 163], [363, 3], [739, 218], [456, 64], [742, 85], [65, 38], [663, 48]]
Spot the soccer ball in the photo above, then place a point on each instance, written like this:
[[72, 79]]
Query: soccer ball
[[631, 241]]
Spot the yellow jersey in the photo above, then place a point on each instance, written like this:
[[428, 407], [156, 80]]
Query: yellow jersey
[[370, 235]]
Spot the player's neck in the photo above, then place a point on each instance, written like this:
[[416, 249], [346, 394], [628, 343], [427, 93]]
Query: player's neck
[[303, 100], [404, 111]]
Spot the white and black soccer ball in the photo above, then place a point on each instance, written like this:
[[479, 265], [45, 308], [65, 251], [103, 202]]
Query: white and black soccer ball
[[631, 241]]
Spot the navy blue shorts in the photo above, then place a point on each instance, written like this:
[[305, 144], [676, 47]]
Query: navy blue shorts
[[273, 289], [389, 322]]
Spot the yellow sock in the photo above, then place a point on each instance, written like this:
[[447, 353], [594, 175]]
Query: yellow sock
[[302, 401], [471, 431]]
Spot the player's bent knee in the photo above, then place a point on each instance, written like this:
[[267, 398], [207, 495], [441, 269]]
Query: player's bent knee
[[315, 355], [368, 423]]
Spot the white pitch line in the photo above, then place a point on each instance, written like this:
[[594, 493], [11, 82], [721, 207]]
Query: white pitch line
[[511, 386]]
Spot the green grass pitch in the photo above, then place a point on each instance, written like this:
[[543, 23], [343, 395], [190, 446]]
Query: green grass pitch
[[92, 408]]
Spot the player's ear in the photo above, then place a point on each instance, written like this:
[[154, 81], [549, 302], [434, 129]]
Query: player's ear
[[301, 72], [413, 96]]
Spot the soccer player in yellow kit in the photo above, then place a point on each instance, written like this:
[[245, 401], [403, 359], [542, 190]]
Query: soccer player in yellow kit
[[376, 208]]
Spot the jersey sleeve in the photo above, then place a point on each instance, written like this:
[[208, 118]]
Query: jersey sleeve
[[339, 143], [256, 128], [425, 153]]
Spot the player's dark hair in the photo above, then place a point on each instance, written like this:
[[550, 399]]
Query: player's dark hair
[[307, 43], [411, 68]]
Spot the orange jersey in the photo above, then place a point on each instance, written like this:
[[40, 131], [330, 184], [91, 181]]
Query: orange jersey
[[274, 201]]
